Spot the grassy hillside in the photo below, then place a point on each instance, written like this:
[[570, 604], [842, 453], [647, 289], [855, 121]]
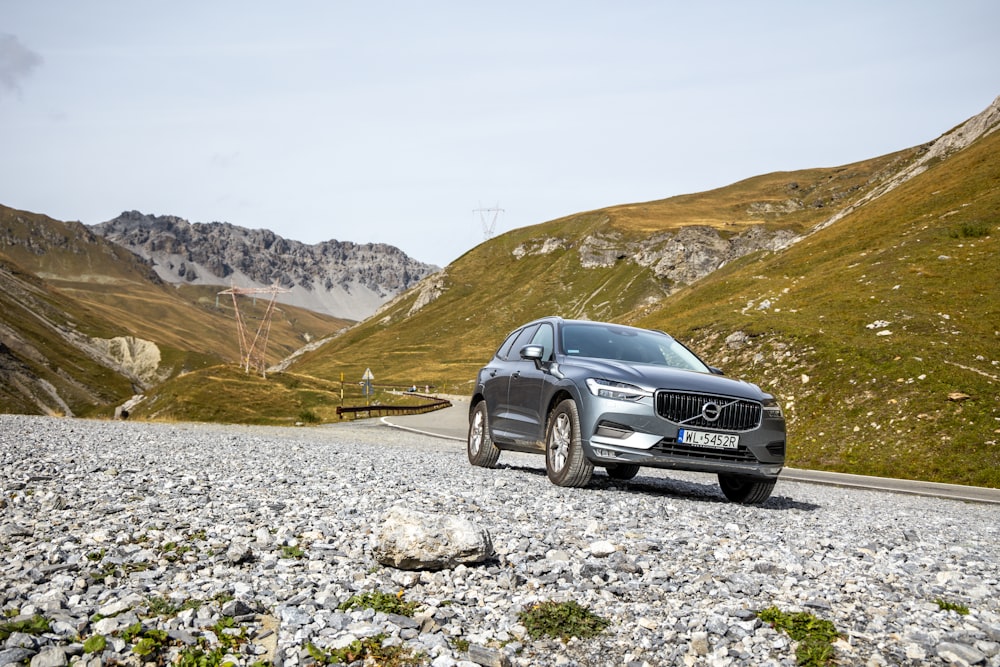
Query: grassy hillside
[[508, 280], [39, 361], [880, 332], [229, 395], [64, 285]]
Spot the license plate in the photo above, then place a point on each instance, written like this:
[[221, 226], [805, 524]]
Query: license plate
[[707, 439]]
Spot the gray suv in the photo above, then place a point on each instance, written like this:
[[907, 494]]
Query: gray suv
[[589, 394]]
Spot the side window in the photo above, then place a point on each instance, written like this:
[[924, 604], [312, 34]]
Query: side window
[[513, 353], [504, 348], [545, 338]]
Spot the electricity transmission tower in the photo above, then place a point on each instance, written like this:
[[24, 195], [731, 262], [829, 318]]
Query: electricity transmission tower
[[252, 349], [489, 223]]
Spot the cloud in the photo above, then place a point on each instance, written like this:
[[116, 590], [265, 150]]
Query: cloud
[[16, 62]]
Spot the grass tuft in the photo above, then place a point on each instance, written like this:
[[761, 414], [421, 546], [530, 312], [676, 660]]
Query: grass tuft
[[945, 605], [36, 625], [814, 635], [388, 603], [368, 651], [562, 620]]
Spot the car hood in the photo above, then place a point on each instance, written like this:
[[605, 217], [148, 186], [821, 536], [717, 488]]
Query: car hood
[[653, 377]]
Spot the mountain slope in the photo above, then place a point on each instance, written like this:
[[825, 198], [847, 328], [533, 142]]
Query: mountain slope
[[602, 264], [881, 333], [345, 280], [85, 323], [866, 300]]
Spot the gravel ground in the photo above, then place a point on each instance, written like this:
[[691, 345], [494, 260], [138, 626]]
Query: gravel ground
[[246, 541]]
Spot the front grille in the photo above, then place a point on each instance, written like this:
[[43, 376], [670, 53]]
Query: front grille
[[670, 447], [734, 414]]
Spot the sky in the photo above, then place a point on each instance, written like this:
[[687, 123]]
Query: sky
[[405, 122]]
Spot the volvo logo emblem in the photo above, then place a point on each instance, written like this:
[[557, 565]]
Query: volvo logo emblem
[[711, 411]]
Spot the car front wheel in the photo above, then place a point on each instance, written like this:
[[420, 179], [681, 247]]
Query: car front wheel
[[745, 490], [565, 463], [480, 448]]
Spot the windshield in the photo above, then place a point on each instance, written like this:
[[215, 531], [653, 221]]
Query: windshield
[[636, 346]]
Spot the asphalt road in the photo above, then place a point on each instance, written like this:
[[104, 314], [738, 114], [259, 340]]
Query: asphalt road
[[453, 424]]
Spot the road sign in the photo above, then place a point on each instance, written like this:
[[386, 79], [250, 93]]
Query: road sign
[[367, 378]]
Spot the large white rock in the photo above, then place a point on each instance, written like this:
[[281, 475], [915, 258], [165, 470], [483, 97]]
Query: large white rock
[[412, 540]]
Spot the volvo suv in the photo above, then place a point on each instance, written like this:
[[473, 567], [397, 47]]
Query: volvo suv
[[595, 394]]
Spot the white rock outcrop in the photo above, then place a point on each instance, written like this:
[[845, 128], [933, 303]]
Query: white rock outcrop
[[137, 356]]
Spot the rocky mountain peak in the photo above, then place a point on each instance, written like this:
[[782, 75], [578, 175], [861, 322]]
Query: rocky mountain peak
[[343, 279]]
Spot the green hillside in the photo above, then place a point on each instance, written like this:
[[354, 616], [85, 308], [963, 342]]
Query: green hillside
[[879, 332], [508, 280], [882, 334], [61, 286]]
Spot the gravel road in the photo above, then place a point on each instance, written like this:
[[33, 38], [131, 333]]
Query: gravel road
[[246, 541]]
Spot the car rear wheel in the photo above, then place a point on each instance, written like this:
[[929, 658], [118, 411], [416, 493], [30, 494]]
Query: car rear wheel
[[745, 490], [623, 471], [480, 448], [565, 463]]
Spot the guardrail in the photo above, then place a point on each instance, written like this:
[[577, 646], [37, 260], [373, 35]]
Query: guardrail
[[383, 410]]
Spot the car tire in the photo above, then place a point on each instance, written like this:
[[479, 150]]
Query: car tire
[[745, 490], [565, 463], [623, 471], [479, 445]]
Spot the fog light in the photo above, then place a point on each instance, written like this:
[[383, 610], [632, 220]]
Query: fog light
[[613, 430]]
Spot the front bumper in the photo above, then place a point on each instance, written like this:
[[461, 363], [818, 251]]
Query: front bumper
[[620, 432]]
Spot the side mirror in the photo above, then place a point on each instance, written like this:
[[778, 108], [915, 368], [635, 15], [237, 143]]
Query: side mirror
[[716, 371], [532, 353]]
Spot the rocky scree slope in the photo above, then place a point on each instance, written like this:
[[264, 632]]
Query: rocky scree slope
[[343, 279]]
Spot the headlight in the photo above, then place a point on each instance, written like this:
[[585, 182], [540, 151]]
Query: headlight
[[617, 390], [772, 410]]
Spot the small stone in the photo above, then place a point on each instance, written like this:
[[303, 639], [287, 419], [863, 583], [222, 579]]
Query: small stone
[[239, 552], [699, 643], [120, 605], [954, 652], [15, 655], [487, 657], [50, 657], [236, 608], [557, 556], [602, 548]]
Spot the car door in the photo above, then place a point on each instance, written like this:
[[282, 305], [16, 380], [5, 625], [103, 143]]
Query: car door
[[496, 383], [526, 414]]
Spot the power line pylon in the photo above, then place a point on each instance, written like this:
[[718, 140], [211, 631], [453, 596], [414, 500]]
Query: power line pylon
[[489, 223], [252, 350]]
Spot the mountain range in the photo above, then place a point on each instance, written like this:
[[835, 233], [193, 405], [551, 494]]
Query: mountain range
[[340, 279], [863, 296]]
